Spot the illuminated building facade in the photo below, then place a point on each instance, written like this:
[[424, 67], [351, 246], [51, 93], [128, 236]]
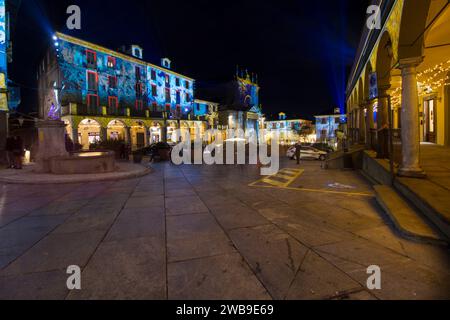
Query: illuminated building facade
[[327, 127], [402, 72], [238, 102], [116, 95], [291, 131], [8, 96]]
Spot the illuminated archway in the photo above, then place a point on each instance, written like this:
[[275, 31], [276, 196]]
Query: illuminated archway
[[89, 132]]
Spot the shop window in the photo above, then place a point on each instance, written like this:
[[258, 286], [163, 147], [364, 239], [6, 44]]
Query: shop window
[[92, 79], [91, 58]]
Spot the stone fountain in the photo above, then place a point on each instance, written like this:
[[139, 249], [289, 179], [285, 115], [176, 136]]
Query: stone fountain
[[52, 156]]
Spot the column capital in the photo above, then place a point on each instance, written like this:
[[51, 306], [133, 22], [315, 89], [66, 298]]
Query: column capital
[[410, 62]]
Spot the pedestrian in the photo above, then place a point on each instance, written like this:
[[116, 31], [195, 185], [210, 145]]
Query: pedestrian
[[18, 152], [9, 151], [298, 152]]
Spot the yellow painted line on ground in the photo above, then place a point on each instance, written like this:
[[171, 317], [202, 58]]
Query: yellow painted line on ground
[[290, 175], [360, 194]]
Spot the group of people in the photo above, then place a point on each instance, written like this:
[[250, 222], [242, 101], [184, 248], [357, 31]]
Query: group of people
[[15, 152]]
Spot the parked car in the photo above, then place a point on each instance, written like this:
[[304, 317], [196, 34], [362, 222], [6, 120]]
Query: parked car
[[307, 153], [159, 151], [323, 147]]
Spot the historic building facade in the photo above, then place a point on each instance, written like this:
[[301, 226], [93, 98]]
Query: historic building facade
[[291, 131], [327, 127], [400, 81], [115, 95]]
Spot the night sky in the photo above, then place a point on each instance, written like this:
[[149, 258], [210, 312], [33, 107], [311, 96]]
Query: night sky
[[301, 50]]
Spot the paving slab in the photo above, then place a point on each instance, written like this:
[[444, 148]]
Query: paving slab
[[56, 252], [125, 270], [50, 285], [318, 279], [185, 205], [225, 277], [274, 256], [195, 236]]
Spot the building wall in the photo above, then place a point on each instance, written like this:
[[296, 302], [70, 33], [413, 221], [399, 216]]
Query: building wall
[[72, 60]]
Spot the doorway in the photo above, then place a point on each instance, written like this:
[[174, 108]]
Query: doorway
[[430, 121]]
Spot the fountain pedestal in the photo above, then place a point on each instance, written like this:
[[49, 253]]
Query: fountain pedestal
[[51, 144]]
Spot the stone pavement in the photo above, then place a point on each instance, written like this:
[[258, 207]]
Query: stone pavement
[[199, 232]]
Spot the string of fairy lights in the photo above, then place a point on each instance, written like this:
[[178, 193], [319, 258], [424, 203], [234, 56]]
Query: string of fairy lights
[[429, 81]]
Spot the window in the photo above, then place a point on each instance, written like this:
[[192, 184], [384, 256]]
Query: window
[[153, 75], [91, 57], [188, 97], [111, 62], [178, 110], [92, 79], [154, 91], [112, 82], [178, 97], [167, 81], [337, 120], [177, 82], [92, 101], [139, 105], [139, 90], [324, 121], [113, 103], [168, 108], [138, 73], [168, 97], [187, 84], [155, 107]]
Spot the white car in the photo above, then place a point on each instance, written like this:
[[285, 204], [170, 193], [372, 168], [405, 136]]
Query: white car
[[307, 153]]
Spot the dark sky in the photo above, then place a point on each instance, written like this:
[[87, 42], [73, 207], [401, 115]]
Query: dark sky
[[301, 50]]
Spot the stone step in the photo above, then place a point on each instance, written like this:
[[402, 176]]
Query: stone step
[[433, 201], [408, 222]]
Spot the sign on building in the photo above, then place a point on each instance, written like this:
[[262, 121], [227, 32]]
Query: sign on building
[[373, 86]]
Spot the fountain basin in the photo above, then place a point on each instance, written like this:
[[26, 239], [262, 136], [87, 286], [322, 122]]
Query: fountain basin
[[84, 163]]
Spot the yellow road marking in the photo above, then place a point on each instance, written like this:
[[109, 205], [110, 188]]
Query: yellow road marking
[[289, 175], [361, 194]]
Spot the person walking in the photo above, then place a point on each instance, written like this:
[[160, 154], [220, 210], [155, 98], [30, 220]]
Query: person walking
[[18, 152], [9, 148], [298, 152]]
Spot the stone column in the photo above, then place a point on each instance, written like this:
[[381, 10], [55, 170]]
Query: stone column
[[410, 166], [383, 123], [369, 124], [74, 135], [128, 136], [362, 125], [3, 135], [103, 134]]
